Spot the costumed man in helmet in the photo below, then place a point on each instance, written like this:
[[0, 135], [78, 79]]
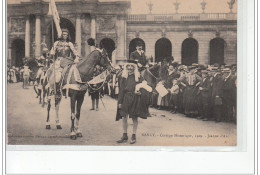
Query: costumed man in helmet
[[139, 56], [65, 55]]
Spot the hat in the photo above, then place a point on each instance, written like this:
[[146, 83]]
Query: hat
[[226, 70], [40, 65], [139, 43], [91, 42], [174, 64], [204, 71], [201, 67], [195, 64], [132, 61], [214, 69], [228, 66], [192, 67], [216, 65]]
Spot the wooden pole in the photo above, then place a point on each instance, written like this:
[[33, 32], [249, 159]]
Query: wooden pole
[[53, 57]]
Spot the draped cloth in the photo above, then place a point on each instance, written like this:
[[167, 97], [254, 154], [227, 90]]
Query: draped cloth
[[134, 105]]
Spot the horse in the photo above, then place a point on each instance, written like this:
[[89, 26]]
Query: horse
[[33, 66], [85, 69], [39, 86], [151, 75]]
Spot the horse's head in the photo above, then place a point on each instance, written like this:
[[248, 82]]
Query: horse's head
[[105, 61], [151, 75]]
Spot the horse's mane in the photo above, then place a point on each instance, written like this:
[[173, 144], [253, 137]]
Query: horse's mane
[[83, 60]]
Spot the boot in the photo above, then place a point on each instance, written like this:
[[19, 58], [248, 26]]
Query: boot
[[133, 139], [123, 139]]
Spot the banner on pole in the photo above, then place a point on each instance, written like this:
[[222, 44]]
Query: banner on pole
[[54, 13]]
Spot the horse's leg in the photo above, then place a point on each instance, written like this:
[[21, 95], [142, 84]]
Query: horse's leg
[[40, 95], [43, 95], [80, 100], [73, 135], [57, 106], [48, 126], [36, 91]]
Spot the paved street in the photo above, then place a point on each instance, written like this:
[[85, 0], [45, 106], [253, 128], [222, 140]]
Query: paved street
[[26, 125]]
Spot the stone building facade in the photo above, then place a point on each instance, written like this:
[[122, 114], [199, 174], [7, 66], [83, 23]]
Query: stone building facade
[[202, 38]]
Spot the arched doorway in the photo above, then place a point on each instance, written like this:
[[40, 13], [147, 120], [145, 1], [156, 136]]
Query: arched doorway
[[217, 51], [109, 45], [132, 45], [18, 52], [64, 23], [189, 51], [163, 49]]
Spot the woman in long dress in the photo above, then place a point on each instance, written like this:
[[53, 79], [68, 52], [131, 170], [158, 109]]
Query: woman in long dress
[[191, 82]]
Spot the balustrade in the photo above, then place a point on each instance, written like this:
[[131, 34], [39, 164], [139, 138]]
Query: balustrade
[[183, 17]]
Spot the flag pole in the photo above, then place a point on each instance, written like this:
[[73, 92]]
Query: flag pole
[[53, 57]]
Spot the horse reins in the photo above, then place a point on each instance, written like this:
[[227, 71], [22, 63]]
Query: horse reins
[[151, 74]]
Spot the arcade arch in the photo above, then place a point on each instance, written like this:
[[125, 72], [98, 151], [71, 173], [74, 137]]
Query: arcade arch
[[64, 23], [189, 51], [217, 46], [17, 52], [163, 49], [109, 45]]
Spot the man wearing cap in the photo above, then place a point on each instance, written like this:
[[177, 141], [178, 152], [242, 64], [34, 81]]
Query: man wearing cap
[[204, 94], [139, 55], [228, 86], [217, 94]]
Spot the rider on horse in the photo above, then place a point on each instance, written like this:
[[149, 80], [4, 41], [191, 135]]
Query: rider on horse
[[139, 56], [64, 53]]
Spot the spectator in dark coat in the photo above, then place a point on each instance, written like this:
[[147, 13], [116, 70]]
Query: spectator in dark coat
[[217, 95], [205, 94], [228, 87], [138, 55]]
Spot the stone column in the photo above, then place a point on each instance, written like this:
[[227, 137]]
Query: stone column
[[121, 37], [177, 40], [9, 60], [38, 36], [93, 29], [203, 55], [78, 33], [27, 38]]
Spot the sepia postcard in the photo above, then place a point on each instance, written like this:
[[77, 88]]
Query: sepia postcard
[[122, 73]]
